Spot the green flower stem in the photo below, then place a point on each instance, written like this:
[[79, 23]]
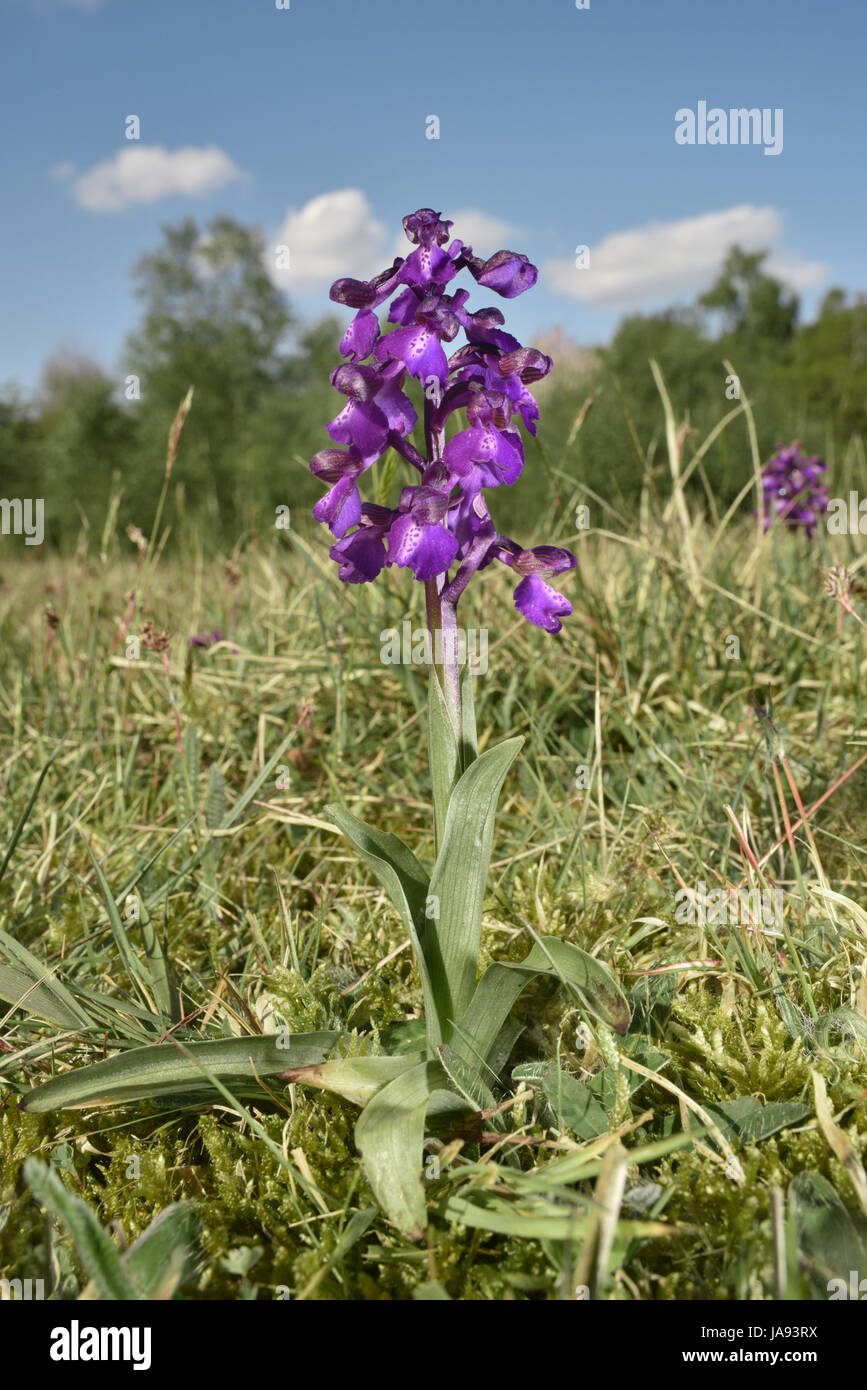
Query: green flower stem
[[442, 616]]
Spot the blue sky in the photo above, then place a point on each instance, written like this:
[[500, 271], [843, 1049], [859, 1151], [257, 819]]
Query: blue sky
[[557, 129]]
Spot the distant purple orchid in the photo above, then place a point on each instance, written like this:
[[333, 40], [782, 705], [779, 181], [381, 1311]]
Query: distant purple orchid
[[443, 520], [792, 492], [209, 639]]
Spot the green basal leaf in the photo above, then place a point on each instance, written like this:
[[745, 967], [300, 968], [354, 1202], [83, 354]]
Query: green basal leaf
[[357, 1079], [750, 1120], [502, 1048], [405, 881], [173, 1238], [409, 1035], [165, 1256], [389, 1135], [165, 994], [468, 1082], [574, 1103], [827, 1236], [171, 1069], [446, 1109], [503, 982], [458, 883]]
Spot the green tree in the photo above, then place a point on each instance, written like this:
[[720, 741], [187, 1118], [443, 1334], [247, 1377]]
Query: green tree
[[85, 436], [754, 305], [213, 320]]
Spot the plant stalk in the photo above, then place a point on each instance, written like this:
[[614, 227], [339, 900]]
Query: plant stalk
[[442, 619]]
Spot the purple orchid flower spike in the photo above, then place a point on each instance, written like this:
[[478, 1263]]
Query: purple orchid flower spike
[[792, 491], [210, 639], [442, 530]]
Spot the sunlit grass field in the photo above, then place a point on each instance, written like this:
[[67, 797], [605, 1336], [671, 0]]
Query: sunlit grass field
[[196, 778]]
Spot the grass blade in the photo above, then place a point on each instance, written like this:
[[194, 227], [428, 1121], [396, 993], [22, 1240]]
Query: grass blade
[[49, 994], [23, 818]]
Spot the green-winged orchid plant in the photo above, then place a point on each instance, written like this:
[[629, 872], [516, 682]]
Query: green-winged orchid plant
[[441, 531], [436, 1070]]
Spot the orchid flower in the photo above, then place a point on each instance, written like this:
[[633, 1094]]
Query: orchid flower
[[431, 530]]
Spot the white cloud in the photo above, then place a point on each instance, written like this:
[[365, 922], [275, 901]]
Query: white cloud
[[333, 235], [631, 269], [797, 274], [144, 173], [485, 234], [61, 171]]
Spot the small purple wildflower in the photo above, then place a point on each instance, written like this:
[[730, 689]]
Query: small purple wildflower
[[209, 639], [792, 490], [443, 520]]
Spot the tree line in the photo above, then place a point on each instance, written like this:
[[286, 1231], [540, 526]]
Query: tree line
[[211, 318]]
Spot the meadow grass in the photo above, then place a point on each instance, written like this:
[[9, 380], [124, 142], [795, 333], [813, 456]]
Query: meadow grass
[[198, 777]]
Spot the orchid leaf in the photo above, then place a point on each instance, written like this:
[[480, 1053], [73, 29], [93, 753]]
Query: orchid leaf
[[389, 1135], [574, 1103], [503, 982], [138, 974], [458, 882], [404, 880], [407, 1035], [467, 1081], [173, 1069], [172, 1239], [357, 1079], [752, 1121], [829, 1241]]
